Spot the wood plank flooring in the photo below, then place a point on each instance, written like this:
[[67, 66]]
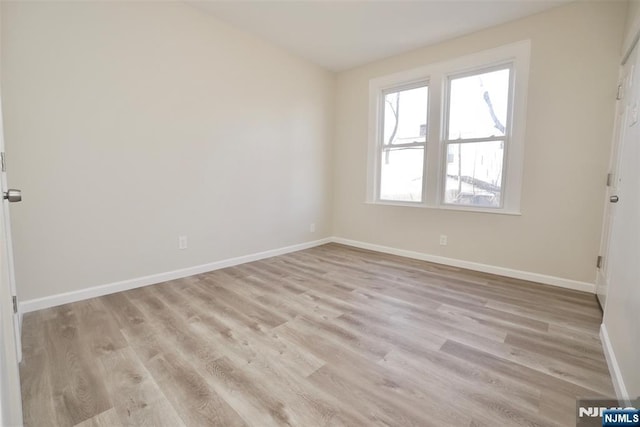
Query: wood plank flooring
[[330, 336]]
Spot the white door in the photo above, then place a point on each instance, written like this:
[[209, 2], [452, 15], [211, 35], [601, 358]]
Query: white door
[[10, 350], [10, 396], [613, 180], [622, 313], [9, 196]]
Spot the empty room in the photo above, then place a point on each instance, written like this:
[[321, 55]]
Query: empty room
[[320, 213]]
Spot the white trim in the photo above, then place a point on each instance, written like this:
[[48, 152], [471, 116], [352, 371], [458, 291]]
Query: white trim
[[110, 288], [485, 268], [614, 368]]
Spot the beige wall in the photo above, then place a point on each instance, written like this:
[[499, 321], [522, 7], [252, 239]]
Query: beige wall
[[130, 123], [150, 120], [574, 57]]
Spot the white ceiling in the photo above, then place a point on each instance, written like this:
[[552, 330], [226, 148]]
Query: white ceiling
[[339, 35]]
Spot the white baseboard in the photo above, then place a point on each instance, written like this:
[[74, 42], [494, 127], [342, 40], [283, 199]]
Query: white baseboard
[[110, 288], [501, 271], [614, 368]]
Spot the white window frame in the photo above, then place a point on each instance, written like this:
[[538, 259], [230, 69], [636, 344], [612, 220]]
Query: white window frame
[[437, 76], [381, 107]]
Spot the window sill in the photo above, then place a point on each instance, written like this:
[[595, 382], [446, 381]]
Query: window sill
[[446, 207]]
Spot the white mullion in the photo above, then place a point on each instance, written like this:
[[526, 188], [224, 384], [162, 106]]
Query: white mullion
[[472, 140], [432, 164], [406, 145], [504, 182]]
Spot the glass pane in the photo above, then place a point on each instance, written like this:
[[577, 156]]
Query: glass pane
[[405, 116], [401, 174], [474, 174], [478, 105]]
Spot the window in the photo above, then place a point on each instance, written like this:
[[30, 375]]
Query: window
[[404, 141], [451, 135], [476, 135]]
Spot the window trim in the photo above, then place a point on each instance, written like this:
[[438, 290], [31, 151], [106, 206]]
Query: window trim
[[437, 76]]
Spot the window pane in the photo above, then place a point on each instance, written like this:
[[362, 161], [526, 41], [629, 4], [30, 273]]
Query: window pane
[[405, 116], [401, 174], [478, 105], [474, 174]]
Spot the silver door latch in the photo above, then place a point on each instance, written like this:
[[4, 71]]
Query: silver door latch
[[13, 195]]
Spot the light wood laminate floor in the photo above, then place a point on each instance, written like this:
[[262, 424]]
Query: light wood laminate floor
[[327, 336]]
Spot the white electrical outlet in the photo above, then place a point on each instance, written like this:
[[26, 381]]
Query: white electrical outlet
[[312, 227], [182, 242], [443, 240]]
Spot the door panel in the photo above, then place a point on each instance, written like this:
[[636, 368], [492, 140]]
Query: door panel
[[10, 396], [622, 108], [9, 263], [10, 350]]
